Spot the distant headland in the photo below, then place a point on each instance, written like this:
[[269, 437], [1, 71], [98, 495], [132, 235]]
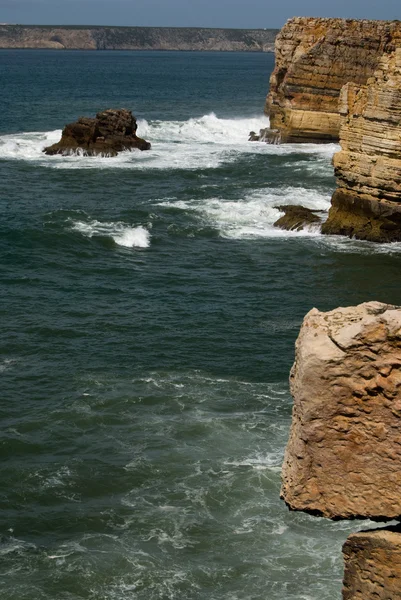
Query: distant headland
[[72, 37]]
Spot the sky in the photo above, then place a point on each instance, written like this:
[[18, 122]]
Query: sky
[[189, 13]]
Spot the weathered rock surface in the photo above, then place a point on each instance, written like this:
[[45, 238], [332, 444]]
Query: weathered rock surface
[[296, 218], [137, 38], [315, 57], [112, 131], [373, 565], [344, 453], [367, 203]]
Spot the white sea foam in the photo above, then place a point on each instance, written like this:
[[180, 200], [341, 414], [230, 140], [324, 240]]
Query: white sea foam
[[121, 233], [198, 143], [254, 215]]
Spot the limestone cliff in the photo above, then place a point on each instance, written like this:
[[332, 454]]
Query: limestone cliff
[[367, 203], [137, 38], [344, 453], [373, 565], [315, 57]]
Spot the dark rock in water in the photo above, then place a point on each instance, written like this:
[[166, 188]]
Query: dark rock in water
[[296, 218], [112, 131], [270, 136]]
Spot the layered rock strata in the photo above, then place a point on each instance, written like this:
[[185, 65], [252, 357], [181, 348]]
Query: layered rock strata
[[315, 57], [373, 565], [112, 131], [137, 38], [367, 203], [344, 453]]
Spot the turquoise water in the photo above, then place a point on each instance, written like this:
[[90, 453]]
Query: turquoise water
[[148, 313]]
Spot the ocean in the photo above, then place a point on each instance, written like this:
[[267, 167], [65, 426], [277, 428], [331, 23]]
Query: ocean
[[148, 314]]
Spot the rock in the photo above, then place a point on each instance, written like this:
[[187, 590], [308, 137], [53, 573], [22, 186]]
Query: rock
[[112, 131], [367, 203], [344, 453], [270, 136], [373, 565], [315, 57], [296, 218]]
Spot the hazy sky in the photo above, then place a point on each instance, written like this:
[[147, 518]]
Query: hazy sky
[[191, 13]]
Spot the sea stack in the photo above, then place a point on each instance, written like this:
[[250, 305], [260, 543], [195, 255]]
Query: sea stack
[[315, 57], [367, 202], [111, 132]]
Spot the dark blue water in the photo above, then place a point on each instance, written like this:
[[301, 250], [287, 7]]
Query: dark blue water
[[148, 313]]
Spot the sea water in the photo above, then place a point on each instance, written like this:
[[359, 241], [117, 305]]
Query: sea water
[[148, 315]]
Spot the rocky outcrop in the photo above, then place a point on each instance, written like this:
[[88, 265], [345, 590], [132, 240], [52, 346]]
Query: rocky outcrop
[[296, 218], [315, 57], [270, 136], [367, 203], [373, 565], [137, 38], [112, 131], [344, 453]]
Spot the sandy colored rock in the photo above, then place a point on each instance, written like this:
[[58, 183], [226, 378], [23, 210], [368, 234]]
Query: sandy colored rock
[[112, 131], [367, 203], [373, 565], [315, 57], [343, 458]]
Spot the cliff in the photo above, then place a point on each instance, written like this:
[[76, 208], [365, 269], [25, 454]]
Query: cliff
[[367, 203], [137, 38], [343, 457], [315, 57]]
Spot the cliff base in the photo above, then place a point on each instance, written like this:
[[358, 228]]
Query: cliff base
[[363, 217]]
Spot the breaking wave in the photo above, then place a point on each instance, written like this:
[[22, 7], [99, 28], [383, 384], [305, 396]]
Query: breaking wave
[[198, 143], [122, 234], [254, 215]]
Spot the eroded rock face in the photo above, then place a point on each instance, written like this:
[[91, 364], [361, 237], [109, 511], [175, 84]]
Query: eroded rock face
[[344, 453], [112, 131], [315, 57], [367, 203], [373, 565]]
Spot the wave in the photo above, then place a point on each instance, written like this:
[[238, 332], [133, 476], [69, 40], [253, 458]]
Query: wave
[[254, 215], [121, 233], [198, 143]]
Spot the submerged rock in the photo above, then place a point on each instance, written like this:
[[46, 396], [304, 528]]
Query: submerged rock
[[296, 218], [344, 453], [112, 131], [373, 565], [270, 136]]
